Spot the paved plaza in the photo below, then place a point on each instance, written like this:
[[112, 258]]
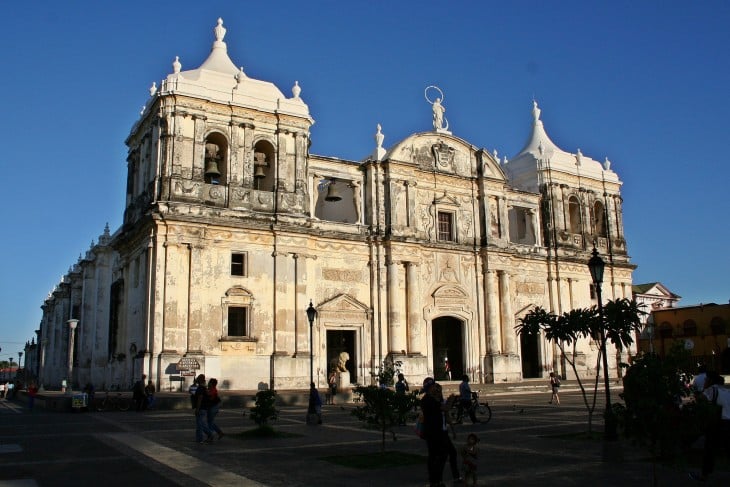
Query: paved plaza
[[518, 447]]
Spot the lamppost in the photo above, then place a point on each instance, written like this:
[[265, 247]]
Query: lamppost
[[71, 328], [650, 332], [311, 315], [596, 266], [20, 356], [10, 369]]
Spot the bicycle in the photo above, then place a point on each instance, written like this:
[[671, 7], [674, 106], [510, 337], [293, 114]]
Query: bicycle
[[118, 402], [457, 412]]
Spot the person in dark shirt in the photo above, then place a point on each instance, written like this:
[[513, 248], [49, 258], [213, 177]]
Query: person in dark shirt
[[202, 403]]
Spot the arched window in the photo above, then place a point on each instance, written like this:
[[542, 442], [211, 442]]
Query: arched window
[[665, 330], [264, 158], [689, 327], [717, 326], [574, 215], [599, 217], [216, 159]]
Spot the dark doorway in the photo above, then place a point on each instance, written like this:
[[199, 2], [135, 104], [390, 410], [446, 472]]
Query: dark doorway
[[530, 355], [447, 346], [339, 341]]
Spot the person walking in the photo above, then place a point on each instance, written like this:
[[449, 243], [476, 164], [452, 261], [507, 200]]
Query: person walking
[[718, 427], [201, 401], [149, 391], [332, 382], [32, 393], [401, 387], [435, 430], [465, 400], [315, 404], [138, 394], [215, 405], [554, 388]]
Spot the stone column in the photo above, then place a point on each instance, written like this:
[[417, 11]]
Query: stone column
[[415, 326], [504, 220], [508, 332], [397, 334], [69, 375], [492, 300]]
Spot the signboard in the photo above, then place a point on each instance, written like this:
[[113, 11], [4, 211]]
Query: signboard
[[187, 373], [186, 364], [79, 400]]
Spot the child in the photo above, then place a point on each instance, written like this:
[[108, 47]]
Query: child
[[469, 453]]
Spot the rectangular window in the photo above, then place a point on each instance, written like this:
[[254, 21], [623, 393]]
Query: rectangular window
[[446, 226], [238, 264], [237, 321]]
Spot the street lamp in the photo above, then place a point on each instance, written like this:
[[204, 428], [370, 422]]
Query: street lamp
[[20, 356], [311, 315], [596, 265]]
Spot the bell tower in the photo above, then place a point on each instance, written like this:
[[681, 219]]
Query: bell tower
[[214, 137]]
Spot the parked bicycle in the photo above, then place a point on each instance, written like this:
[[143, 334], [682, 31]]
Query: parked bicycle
[[116, 401], [482, 408]]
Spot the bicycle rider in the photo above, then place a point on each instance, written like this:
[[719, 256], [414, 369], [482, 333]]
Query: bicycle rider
[[465, 399]]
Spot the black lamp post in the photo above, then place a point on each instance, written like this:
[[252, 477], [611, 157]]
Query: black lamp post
[[20, 356], [311, 315], [596, 266]]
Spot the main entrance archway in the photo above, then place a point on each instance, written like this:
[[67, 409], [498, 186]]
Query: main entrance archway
[[447, 335]]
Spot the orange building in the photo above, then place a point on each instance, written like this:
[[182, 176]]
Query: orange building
[[704, 329]]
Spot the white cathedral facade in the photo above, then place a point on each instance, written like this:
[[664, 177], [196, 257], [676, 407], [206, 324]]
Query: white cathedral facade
[[424, 252]]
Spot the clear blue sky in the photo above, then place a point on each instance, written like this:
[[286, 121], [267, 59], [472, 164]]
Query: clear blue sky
[[643, 83]]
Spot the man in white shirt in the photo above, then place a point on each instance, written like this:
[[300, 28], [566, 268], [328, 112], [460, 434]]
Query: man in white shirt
[[719, 427], [698, 383]]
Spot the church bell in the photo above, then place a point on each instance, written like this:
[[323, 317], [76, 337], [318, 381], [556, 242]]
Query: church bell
[[259, 173], [332, 194], [211, 169]]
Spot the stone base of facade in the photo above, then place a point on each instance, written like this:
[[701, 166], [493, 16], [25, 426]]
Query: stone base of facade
[[502, 368]]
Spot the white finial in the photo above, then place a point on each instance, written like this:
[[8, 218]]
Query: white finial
[[296, 90], [141, 112], [607, 165], [220, 31], [504, 160], [240, 76], [153, 89], [496, 155], [176, 65], [535, 111], [579, 158], [379, 150]]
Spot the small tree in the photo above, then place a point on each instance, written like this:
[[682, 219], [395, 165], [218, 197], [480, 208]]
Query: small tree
[[265, 409], [652, 417], [383, 408], [620, 319]]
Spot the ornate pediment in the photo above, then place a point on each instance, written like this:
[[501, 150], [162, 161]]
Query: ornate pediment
[[446, 200], [342, 302]]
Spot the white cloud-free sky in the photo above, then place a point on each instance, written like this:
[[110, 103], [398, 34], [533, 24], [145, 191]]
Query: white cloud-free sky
[[645, 84]]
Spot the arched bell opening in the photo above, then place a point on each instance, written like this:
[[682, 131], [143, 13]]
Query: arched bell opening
[[264, 158], [216, 159]]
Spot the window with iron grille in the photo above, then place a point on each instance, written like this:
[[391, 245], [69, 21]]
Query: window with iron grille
[[445, 226]]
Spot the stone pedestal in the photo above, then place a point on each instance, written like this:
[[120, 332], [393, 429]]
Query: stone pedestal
[[502, 368]]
